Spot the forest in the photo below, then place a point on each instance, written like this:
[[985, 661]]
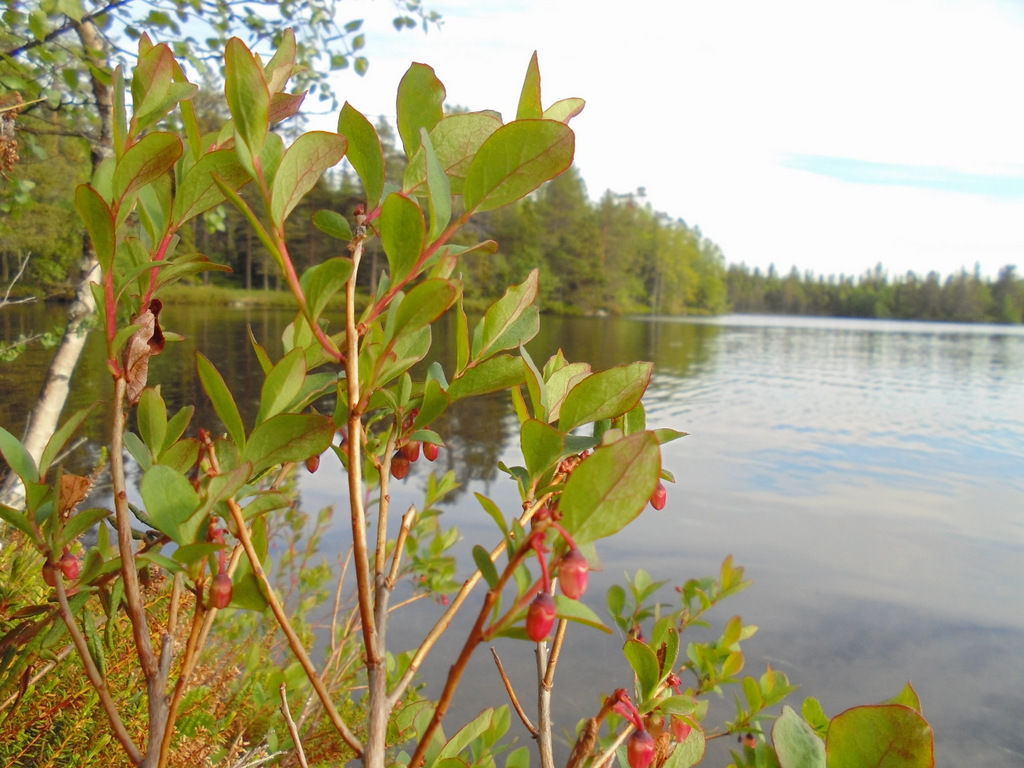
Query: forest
[[616, 255]]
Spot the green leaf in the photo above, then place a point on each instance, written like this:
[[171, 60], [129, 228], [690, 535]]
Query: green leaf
[[282, 64], [154, 89], [515, 160], [198, 192], [796, 743], [420, 105], [301, 168], [402, 230], [482, 558], [574, 610], [880, 736], [542, 446], [248, 97], [456, 140], [611, 487], [60, 438], [435, 402], [18, 459], [99, 222], [288, 437], [529, 98], [907, 697], [466, 735], [440, 193], [645, 664], [81, 522], [321, 281], [152, 418], [170, 502], [148, 159], [220, 396], [492, 375], [426, 302], [510, 322], [689, 752], [333, 224], [282, 385], [605, 395], [364, 152], [20, 521], [564, 110]]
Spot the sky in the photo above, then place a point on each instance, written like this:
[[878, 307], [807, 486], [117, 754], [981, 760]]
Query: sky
[[829, 136]]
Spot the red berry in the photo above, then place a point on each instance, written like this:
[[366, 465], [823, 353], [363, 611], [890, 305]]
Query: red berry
[[313, 462], [540, 617], [69, 565], [640, 750], [573, 574], [659, 497], [411, 450], [220, 591], [431, 451], [399, 466]]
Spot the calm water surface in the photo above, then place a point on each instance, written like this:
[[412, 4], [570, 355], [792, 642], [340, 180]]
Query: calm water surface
[[869, 475]]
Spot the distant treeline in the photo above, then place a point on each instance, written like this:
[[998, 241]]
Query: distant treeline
[[616, 255], [962, 297]]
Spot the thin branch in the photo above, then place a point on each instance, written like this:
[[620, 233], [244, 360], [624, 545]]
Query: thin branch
[[294, 642], [63, 29], [512, 695], [546, 664], [300, 753], [6, 300], [445, 620], [95, 676], [355, 462], [403, 533], [556, 652], [473, 639]]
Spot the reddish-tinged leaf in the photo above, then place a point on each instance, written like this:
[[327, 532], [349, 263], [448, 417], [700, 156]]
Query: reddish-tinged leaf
[[364, 152], [151, 157], [420, 105], [300, 169], [529, 99], [515, 160]]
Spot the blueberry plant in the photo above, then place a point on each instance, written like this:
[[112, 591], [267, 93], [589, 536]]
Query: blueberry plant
[[209, 493]]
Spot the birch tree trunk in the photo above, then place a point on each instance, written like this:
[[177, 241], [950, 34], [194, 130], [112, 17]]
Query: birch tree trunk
[[44, 416]]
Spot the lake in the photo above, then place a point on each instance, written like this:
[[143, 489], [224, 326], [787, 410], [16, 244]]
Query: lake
[[868, 474]]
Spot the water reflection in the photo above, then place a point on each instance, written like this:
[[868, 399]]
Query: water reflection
[[867, 473]]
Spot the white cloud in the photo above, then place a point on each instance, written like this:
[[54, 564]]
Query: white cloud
[[699, 101]]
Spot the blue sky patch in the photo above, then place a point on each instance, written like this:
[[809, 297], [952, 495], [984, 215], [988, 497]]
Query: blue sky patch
[[1001, 186]]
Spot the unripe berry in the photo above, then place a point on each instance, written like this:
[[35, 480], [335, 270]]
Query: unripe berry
[[399, 466], [659, 497], [313, 462], [680, 728], [540, 617], [50, 573], [220, 591], [573, 574], [431, 451], [411, 450], [640, 750], [69, 565]]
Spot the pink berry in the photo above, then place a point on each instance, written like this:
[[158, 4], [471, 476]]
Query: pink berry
[[573, 574], [69, 565], [659, 497], [540, 617], [313, 463], [680, 728], [50, 573], [220, 591], [640, 749], [411, 450], [431, 451]]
